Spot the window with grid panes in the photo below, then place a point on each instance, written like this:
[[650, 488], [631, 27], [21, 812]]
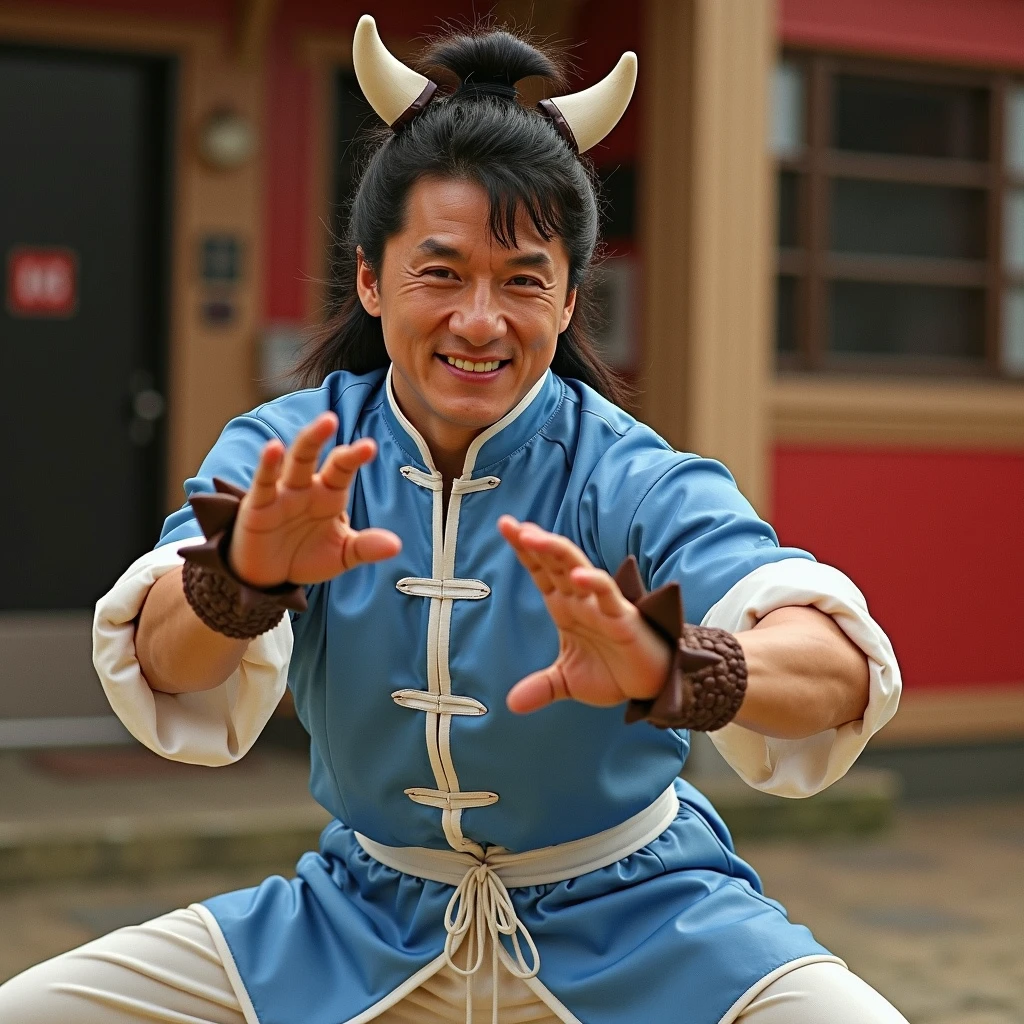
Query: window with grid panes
[[900, 218]]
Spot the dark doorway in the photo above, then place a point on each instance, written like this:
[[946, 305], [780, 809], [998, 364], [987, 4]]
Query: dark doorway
[[84, 184]]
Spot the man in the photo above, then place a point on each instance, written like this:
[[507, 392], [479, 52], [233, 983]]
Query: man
[[438, 590]]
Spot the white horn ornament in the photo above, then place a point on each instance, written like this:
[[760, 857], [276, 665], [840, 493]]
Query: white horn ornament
[[591, 114], [396, 92]]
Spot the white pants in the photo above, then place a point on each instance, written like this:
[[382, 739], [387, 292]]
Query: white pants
[[168, 971]]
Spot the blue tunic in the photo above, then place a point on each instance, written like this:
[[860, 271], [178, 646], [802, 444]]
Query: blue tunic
[[401, 684]]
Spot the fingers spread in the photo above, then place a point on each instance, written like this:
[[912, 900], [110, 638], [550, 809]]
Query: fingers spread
[[512, 531], [600, 585], [556, 556], [264, 482], [340, 466], [300, 461]]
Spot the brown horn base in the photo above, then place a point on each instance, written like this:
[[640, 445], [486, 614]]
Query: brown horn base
[[415, 108], [554, 115]]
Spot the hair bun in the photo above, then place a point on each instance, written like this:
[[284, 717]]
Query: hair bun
[[480, 61]]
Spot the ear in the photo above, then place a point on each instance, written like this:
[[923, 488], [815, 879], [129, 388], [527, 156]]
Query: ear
[[567, 311], [367, 286]]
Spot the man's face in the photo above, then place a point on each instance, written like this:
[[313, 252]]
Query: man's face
[[448, 291]]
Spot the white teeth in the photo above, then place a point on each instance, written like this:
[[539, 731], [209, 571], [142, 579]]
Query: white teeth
[[465, 364]]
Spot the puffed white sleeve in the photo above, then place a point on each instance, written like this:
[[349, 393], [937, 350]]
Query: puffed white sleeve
[[213, 727], [803, 767]]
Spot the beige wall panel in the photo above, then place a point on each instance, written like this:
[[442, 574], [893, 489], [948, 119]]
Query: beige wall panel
[[213, 368], [905, 412], [666, 215], [970, 715], [708, 230]]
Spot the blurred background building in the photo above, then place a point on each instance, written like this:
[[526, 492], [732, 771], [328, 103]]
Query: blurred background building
[[816, 273]]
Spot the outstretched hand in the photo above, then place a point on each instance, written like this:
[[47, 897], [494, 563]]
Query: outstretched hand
[[293, 525], [606, 652]]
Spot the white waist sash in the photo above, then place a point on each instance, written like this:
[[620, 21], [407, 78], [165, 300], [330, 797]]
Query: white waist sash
[[481, 906]]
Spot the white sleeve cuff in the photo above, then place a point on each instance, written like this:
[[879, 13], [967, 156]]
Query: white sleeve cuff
[[212, 727], [802, 767]]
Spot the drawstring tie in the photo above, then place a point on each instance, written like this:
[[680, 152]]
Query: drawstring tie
[[481, 908]]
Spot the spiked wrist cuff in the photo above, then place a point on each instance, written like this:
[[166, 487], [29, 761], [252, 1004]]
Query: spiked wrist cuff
[[707, 678], [223, 601]]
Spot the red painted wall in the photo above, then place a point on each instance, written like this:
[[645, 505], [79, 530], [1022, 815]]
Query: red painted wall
[[287, 196], [934, 539], [605, 30], [180, 10], [959, 31]]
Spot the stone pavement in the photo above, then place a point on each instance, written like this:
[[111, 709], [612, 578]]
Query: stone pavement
[[931, 912]]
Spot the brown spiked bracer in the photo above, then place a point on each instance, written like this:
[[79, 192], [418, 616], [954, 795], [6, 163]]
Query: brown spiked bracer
[[223, 601], [707, 678]]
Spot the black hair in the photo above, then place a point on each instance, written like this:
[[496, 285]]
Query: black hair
[[473, 131]]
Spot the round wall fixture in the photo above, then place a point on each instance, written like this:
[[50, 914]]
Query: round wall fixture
[[226, 140]]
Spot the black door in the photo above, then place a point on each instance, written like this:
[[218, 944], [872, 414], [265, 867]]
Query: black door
[[83, 210]]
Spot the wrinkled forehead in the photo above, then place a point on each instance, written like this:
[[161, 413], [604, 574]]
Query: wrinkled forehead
[[452, 217]]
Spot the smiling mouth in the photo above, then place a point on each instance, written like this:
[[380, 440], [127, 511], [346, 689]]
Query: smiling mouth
[[474, 366]]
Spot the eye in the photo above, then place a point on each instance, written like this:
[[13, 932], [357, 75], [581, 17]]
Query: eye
[[441, 273], [522, 281]]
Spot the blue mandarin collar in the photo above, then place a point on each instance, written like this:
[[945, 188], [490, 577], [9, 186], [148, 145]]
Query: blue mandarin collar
[[498, 441]]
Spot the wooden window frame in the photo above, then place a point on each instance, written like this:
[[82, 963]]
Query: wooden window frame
[[1007, 181], [814, 266]]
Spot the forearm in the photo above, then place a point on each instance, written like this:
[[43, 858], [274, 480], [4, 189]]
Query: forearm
[[177, 652], [804, 675]]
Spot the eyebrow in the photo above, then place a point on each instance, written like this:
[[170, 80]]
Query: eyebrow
[[432, 247], [534, 260]]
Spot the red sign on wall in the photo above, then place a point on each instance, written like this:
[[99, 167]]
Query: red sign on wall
[[42, 282]]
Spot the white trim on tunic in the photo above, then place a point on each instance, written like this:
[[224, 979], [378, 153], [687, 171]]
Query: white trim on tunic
[[442, 589]]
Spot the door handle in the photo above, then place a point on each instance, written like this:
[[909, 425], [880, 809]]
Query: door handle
[[147, 407]]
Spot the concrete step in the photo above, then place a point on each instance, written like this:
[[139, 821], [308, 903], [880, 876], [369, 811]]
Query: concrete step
[[127, 813], [862, 803]]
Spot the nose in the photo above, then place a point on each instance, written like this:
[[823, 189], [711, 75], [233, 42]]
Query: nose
[[477, 318]]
